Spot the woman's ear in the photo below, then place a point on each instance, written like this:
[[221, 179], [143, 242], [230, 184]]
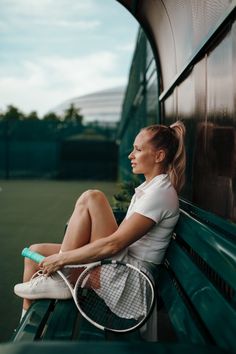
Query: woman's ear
[[160, 156]]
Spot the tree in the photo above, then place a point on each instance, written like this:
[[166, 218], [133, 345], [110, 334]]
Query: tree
[[51, 116], [33, 116], [13, 113], [72, 114]]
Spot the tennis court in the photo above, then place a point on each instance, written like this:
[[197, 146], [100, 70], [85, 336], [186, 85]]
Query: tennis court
[[32, 212]]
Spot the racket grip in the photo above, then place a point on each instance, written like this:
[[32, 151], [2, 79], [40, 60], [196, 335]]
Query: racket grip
[[32, 255]]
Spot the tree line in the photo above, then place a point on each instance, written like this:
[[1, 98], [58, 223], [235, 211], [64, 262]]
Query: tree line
[[71, 114], [14, 124]]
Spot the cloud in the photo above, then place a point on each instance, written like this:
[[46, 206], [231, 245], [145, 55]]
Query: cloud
[[46, 24], [53, 50], [50, 13], [81, 25], [34, 8], [126, 47], [3, 26], [51, 80]]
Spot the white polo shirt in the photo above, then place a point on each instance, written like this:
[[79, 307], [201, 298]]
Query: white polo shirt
[[158, 201]]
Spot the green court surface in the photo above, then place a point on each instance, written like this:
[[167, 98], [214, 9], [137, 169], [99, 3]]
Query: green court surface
[[32, 212]]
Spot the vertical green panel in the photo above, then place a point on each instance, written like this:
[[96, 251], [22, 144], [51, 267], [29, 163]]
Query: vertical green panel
[[141, 100]]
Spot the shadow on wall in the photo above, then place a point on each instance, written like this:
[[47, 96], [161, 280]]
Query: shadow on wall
[[214, 181]]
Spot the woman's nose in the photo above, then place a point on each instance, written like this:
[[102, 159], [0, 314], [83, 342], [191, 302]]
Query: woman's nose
[[131, 155]]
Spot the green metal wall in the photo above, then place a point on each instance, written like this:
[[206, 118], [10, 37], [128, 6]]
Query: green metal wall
[[140, 103], [195, 48]]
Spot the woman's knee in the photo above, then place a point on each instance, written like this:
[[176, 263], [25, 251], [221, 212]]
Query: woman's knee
[[33, 248], [36, 247], [91, 195], [45, 248]]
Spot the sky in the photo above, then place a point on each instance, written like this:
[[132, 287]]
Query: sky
[[54, 50]]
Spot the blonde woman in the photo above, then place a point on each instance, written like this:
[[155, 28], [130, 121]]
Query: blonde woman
[[93, 234]]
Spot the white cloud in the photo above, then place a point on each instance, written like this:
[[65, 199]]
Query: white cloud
[[126, 47], [21, 13], [46, 50], [35, 7], [45, 23], [80, 25], [3, 26], [52, 80]]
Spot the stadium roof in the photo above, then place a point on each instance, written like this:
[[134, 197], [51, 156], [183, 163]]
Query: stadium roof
[[102, 106]]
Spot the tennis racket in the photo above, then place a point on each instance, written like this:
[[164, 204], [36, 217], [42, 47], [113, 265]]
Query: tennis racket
[[112, 295]]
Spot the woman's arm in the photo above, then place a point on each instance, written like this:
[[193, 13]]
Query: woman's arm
[[128, 232]]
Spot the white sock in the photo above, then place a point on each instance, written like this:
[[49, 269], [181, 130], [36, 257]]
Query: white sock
[[23, 313]]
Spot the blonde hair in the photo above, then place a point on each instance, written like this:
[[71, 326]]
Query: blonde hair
[[171, 140]]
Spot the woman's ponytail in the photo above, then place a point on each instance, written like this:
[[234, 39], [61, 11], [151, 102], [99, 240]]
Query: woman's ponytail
[[171, 140], [177, 167]]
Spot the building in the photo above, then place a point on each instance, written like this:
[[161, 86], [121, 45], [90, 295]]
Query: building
[[103, 107]]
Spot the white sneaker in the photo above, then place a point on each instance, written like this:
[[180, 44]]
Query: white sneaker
[[42, 287]]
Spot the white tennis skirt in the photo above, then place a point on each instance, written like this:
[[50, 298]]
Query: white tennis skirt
[[117, 280]]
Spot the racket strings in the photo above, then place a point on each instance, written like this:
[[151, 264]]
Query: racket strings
[[114, 295]]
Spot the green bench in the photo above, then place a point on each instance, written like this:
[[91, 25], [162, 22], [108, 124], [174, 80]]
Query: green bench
[[59, 320], [198, 281], [196, 300]]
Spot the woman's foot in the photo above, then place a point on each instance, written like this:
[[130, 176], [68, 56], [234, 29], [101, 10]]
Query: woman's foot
[[42, 287]]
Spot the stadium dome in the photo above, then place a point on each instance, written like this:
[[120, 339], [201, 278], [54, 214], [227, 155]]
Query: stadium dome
[[103, 107]]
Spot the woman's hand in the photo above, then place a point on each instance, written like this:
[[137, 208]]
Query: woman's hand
[[51, 264]]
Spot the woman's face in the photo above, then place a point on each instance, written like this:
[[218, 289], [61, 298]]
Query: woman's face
[[144, 157]]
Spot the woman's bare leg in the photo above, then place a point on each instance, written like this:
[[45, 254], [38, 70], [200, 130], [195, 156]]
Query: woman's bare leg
[[92, 219], [30, 267]]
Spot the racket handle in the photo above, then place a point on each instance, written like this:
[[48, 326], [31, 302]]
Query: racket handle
[[32, 255]]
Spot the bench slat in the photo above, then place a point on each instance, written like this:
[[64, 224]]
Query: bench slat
[[32, 325], [209, 303], [178, 312], [217, 250], [225, 226], [89, 332], [62, 323], [85, 347]]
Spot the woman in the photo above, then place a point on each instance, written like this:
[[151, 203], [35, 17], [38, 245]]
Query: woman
[[93, 234]]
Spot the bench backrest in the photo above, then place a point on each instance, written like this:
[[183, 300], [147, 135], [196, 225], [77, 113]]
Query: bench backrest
[[198, 282]]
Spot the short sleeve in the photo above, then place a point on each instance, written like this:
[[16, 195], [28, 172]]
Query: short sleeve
[[152, 206]]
